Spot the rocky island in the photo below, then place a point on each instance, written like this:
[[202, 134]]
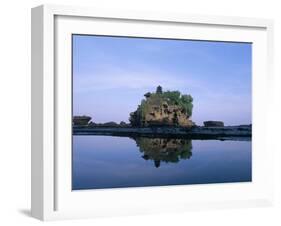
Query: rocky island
[[168, 108], [162, 114]]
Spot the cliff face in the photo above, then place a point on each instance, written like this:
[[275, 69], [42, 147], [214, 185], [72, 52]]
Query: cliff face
[[163, 109]]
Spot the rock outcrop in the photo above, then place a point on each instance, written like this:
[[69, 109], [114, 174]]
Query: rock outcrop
[[111, 124], [213, 124], [81, 120], [168, 108]]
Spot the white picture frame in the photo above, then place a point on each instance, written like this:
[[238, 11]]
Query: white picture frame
[[52, 197]]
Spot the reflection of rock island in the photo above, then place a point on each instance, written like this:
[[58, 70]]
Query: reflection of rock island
[[164, 150]]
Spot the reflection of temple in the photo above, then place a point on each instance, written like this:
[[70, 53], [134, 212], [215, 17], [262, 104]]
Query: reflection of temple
[[163, 149]]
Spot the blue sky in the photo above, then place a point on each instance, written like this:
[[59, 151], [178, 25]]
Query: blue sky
[[111, 74]]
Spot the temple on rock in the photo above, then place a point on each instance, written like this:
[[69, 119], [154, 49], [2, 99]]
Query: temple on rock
[[169, 108]]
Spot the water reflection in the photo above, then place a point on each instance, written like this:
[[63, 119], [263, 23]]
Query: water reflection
[[164, 149], [114, 162]]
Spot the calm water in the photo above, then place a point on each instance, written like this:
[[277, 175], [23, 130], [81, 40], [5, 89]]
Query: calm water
[[111, 162]]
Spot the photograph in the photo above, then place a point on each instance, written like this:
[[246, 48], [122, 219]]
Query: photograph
[[160, 112]]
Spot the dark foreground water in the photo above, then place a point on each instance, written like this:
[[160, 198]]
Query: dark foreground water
[[114, 162]]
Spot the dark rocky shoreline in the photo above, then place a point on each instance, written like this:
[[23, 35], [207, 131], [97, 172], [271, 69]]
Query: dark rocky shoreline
[[243, 132]]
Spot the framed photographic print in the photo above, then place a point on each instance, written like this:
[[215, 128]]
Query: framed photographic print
[[137, 112]]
